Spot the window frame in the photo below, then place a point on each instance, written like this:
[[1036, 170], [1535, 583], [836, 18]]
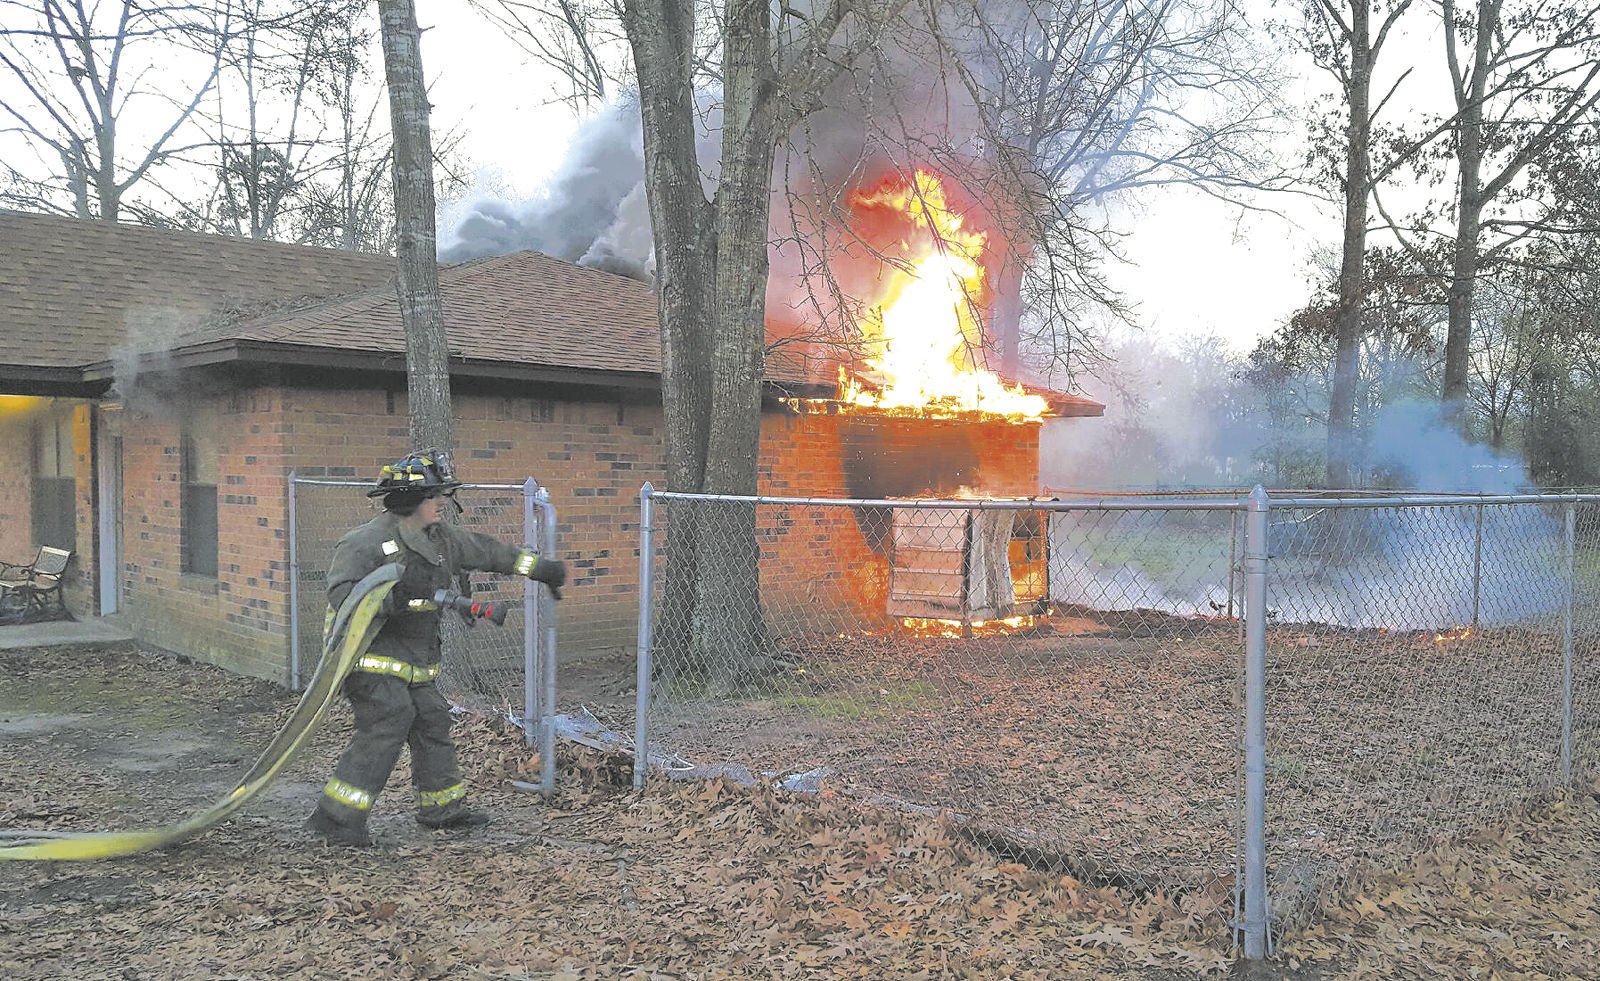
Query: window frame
[[199, 541], [53, 517]]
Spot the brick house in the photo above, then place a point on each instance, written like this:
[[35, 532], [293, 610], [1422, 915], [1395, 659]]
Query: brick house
[[159, 386]]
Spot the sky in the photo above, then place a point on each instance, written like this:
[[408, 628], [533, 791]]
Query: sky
[[1196, 265]]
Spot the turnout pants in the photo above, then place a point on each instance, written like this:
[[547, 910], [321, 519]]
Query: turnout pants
[[391, 713]]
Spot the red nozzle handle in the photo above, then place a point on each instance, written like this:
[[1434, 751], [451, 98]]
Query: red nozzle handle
[[493, 612]]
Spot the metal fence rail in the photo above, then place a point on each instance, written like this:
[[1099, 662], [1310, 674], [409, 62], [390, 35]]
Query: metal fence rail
[[508, 670], [1238, 702]]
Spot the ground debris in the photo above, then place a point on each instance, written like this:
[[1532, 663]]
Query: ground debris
[[684, 880]]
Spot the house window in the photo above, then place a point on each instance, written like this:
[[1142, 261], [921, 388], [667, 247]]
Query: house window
[[199, 534], [55, 486]]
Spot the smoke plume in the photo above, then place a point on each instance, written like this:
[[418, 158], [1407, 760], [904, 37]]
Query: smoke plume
[[593, 212]]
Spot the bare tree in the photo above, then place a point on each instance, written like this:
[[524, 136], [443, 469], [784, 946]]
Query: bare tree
[[1342, 40], [1506, 352], [351, 204], [427, 356], [1086, 104], [286, 63], [582, 40], [1524, 80], [80, 74], [773, 64], [1541, 60]]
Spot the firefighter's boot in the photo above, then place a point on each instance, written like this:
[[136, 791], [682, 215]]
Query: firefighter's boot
[[353, 835], [455, 815]]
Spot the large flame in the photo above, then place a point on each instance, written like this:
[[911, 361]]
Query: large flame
[[923, 339]]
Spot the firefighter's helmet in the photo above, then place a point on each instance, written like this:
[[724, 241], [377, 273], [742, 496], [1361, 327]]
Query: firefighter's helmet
[[428, 471]]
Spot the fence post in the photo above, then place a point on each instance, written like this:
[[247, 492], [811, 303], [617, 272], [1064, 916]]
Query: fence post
[[1233, 558], [530, 620], [641, 698], [1566, 647], [1477, 564], [547, 727], [294, 591], [1255, 725]]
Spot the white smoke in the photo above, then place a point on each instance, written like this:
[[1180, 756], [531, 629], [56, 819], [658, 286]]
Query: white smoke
[[1185, 420], [1414, 446], [594, 211]]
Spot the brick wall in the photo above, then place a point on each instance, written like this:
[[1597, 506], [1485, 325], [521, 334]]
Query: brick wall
[[593, 456], [238, 619], [824, 566]]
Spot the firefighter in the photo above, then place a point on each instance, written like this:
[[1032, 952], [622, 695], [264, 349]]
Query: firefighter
[[392, 688]]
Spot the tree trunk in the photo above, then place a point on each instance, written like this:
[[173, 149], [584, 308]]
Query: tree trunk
[[427, 355], [1463, 282], [1007, 315], [711, 269], [662, 38], [1469, 213], [78, 179], [1352, 279], [106, 191], [729, 631]]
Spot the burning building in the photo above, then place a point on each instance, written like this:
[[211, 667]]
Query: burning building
[[175, 380], [917, 413]]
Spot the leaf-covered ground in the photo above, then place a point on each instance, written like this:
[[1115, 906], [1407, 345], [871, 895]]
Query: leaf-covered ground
[[688, 880], [1108, 745]]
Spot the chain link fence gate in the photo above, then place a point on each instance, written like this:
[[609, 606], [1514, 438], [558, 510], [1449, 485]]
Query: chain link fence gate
[[1241, 704], [507, 670]]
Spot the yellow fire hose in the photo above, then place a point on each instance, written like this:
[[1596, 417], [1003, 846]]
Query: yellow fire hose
[[347, 639]]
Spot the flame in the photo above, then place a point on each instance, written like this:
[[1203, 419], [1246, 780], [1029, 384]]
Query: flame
[[923, 338], [928, 627], [925, 627], [1458, 632]]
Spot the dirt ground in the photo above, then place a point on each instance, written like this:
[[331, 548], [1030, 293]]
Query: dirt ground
[[687, 880]]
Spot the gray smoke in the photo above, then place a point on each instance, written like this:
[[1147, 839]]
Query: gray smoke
[[593, 211], [1415, 447], [588, 213]]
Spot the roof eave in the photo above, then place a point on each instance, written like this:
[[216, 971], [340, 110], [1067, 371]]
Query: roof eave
[[235, 351], [48, 380], [1076, 408]]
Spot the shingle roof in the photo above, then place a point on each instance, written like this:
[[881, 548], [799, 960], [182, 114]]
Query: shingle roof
[[73, 292], [524, 308], [84, 295]]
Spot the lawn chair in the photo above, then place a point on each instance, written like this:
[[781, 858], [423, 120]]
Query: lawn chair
[[34, 591]]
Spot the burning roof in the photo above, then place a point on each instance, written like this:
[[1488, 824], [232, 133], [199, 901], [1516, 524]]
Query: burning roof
[[921, 332]]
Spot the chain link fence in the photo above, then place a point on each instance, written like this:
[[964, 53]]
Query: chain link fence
[[1071, 680], [1431, 668], [506, 670]]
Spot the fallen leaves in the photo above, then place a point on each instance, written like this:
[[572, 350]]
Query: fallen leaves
[[693, 880]]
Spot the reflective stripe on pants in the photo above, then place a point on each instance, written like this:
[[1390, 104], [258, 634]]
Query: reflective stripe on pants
[[391, 714], [411, 674]]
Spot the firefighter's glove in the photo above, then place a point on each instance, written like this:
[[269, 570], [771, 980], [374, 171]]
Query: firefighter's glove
[[551, 572], [406, 599]]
